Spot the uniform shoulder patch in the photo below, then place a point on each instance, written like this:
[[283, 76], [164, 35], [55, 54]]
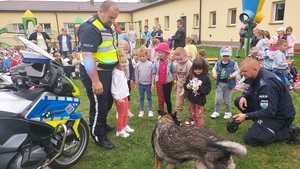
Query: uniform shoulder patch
[[262, 82]]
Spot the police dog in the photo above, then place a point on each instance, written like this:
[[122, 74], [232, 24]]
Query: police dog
[[179, 145]]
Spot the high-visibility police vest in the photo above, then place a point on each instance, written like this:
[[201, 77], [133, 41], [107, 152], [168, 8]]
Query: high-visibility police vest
[[107, 54]]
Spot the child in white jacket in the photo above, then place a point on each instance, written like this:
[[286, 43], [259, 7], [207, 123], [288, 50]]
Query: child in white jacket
[[120, 93]]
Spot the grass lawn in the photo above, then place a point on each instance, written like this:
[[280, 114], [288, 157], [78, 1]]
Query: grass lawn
[[135, 152]]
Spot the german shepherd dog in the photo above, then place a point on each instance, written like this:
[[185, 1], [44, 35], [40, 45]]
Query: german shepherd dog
[[179, 145]]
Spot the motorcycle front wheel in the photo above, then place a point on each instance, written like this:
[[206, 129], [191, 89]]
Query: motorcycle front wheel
[[71, 156]]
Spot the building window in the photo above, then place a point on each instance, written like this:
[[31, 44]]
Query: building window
[[196, 20], [122, 26], [156, 21], [213, 19], [279, 12], [46, 27], [18, 28], [146, 22], [232, 16], [70, 27], [167, 22]]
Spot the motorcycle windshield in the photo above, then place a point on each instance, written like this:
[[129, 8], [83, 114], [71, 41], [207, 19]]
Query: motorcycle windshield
[[35, 48]]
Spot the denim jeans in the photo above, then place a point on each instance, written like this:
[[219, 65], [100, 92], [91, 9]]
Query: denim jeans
[[142, 90], [280, 74]]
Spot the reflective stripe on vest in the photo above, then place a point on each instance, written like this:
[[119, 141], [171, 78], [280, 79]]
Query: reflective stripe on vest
[[107, 52]]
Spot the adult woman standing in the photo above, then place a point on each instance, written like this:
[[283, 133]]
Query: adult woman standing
[[65, 44], [40, 38]]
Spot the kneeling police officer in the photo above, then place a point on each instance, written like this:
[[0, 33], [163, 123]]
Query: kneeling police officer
[[268, 103]]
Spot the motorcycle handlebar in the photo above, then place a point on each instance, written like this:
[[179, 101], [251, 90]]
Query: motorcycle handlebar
[[24, 82]]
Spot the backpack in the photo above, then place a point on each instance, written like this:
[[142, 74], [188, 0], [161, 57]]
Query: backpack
[[243, 33]]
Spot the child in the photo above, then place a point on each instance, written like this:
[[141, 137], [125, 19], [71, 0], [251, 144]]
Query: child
[[7, 62], [1, 65], [182, 69], [58, 58], [254, 40], [143, 72], [123, 45], [281, 33], [253, 53], [76, 63], [120, 93], [224, 72], [280, 63], [262, 44], [267, 35], [143, 42], [16, 61], [290, 38], [202, 53], [293, 71], [268, 56], [191, 49], [163, 74], [68, 60], [198, 85], [289, 83], [152, 53], [134, 57]]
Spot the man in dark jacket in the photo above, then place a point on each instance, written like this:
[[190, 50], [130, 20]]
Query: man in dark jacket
[[180, 35], [268, 103]]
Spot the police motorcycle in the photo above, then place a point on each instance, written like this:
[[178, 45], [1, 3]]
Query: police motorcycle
[[39, 125]]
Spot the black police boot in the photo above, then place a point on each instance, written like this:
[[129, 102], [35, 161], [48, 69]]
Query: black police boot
[[105, 143], [294, 134], [109, 128]]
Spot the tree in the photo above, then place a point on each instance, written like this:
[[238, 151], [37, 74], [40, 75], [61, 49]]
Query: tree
[[148, 1]]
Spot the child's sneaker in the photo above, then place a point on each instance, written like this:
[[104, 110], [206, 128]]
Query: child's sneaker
[[150, 114], [130, 114], [141, 114], [227, 115], [215, 115], [189, 122], [292, 89], [128, 129], [122, 133]]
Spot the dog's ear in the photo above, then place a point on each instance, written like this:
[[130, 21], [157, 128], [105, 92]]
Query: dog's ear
[[174, 115], [160, 112], [175, 119]]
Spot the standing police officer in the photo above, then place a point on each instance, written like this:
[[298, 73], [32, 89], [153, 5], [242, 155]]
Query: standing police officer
[[268, 103], [99, 52]]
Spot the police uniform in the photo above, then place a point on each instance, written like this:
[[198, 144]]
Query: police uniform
[[101, 40], [270, 106]]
